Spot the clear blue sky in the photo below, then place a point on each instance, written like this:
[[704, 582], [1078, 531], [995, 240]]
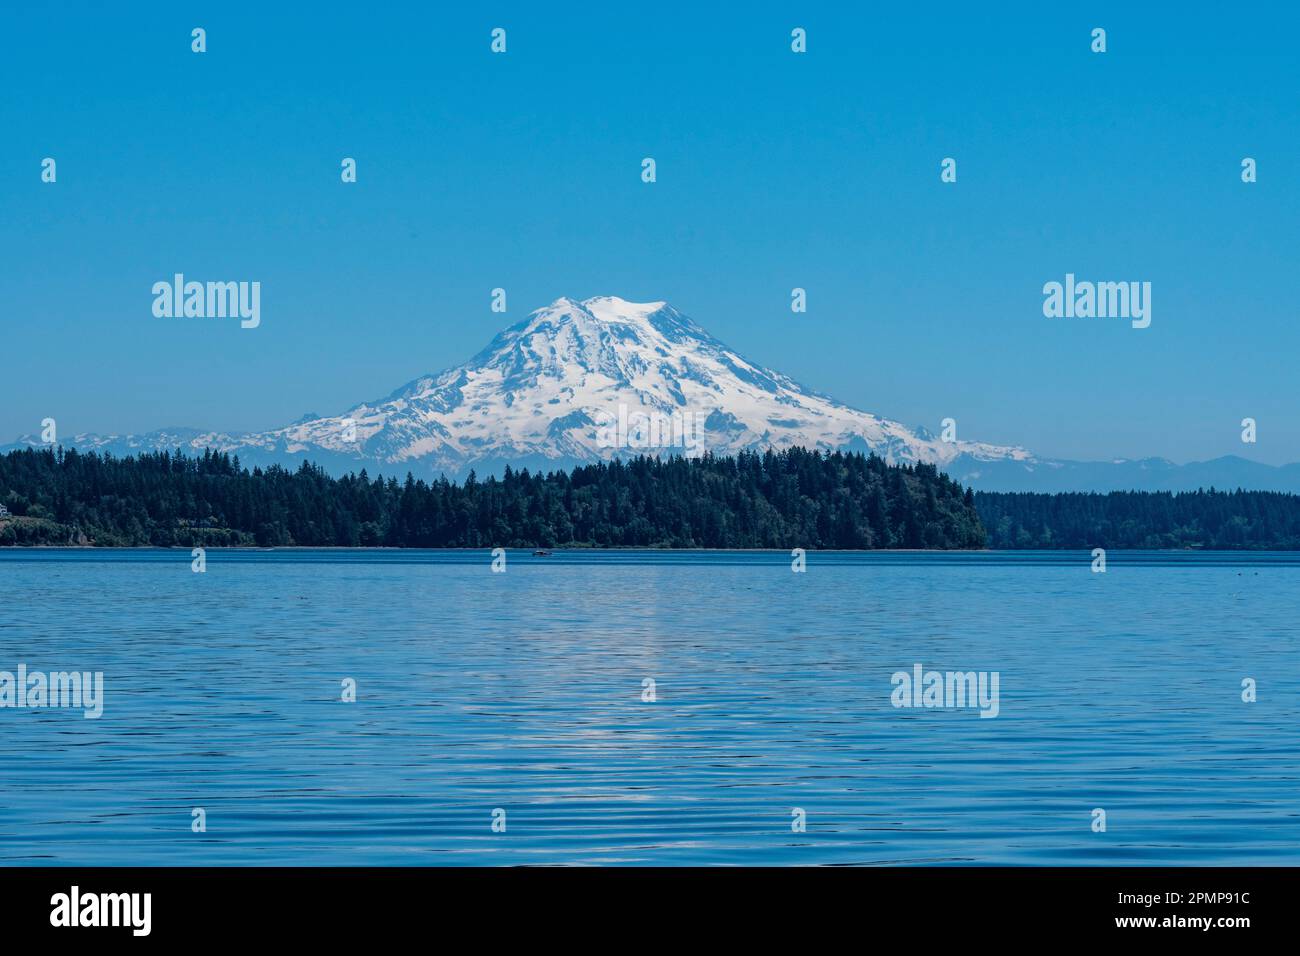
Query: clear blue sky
[[775, 170]]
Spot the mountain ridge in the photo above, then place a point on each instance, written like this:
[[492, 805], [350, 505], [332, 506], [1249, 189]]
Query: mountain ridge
[[581, 381]]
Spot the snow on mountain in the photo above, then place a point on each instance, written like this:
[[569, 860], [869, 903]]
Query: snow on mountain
[[553, 389]]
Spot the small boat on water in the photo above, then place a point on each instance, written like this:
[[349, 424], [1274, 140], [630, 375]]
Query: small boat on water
[[541, 554]]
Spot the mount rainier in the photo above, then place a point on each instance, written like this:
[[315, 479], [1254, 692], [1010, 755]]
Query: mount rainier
[[543, 392]]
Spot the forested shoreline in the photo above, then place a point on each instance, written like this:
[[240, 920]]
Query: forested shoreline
[[1209, 519], [788, 499]]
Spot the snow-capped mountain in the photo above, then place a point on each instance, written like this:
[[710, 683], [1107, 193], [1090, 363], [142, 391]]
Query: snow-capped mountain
[[555, 386], [582, 381], [578, 381]]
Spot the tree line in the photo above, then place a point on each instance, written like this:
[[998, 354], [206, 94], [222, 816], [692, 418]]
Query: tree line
[[787, 499], [1210, 519]]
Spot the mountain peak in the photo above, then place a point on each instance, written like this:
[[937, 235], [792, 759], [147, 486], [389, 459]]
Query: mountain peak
[[613, 307], [547, 389], [604, 308]]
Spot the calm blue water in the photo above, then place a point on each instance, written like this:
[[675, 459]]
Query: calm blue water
[[522, 691]]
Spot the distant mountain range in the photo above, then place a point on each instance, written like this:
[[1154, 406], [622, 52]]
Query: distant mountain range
[[582, 381]]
